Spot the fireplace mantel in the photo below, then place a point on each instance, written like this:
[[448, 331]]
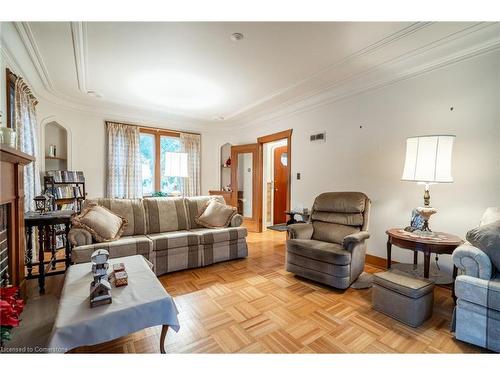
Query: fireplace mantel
[[12, 162]]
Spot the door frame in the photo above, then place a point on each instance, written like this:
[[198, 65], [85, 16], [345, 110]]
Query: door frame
[[285, 134], [253, 224]]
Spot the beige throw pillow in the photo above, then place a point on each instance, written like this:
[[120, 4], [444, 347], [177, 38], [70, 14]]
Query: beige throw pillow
[[104, 225], [215, 215]]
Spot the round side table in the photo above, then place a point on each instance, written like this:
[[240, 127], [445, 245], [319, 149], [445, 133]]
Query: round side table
[[441, 243]]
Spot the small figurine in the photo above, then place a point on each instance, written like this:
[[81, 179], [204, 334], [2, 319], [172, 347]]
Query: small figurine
[[100, 293], [121, 278], [100, 256]]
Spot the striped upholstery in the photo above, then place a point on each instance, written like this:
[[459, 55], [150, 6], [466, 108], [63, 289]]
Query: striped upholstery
[[221, 251], [125, 246], [130, 209], [214, 235], [165, 214], [194, 205], [171, 240]]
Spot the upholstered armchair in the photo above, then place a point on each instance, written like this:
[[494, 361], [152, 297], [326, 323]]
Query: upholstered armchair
[[477, 312], [331, 249]]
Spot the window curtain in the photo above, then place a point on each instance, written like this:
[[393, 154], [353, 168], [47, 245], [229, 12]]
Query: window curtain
[[27, 139], [124, 161], [191, 144]]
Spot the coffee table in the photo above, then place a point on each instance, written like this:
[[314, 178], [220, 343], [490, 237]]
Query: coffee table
[[141, 304]]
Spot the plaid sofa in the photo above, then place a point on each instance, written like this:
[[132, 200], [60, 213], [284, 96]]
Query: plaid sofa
[[165, 232]]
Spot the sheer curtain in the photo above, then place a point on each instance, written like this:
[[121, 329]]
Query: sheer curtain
[[191, 144], [124, 161], [27, 139]]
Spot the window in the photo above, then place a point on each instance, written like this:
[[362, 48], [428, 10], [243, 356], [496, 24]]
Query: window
[[11, 98], [147, 149], [154, 146]]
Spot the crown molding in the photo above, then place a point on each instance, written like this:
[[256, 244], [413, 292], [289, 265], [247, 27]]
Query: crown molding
[[28, 39], [376, 77], [79, 37], [405, 32]]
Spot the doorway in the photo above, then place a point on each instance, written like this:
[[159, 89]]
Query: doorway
[[276, 175]]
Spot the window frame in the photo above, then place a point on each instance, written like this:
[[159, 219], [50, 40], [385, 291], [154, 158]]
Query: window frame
[[158, 133], [10, 88]]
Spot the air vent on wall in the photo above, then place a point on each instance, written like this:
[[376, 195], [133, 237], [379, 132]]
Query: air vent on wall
[[320, 137]]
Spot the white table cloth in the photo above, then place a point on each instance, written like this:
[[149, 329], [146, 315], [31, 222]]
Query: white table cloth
[[141, 304]]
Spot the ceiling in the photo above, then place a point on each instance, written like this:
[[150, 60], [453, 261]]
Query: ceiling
[[196, 71]]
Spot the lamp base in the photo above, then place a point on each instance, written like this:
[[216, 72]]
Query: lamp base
[[426, 213]]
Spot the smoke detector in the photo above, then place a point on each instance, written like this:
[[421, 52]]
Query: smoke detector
[[236, 37]]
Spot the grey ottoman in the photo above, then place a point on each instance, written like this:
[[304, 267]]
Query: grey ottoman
[[403, 297]]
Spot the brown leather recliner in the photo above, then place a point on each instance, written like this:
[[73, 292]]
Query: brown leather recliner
[[331, 249]]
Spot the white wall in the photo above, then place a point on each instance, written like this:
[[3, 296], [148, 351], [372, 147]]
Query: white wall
[[365, 147]]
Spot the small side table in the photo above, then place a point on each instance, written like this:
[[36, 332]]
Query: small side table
[[305, 217], [46, 240], [443, 243]]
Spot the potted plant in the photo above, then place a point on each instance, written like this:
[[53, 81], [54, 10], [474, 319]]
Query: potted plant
[[11, 306]]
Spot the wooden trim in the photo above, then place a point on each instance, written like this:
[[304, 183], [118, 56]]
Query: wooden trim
[[376, 261], [285, 134], [157, 162], [167, 133], [10, 79], [275, 136], [254, 224]]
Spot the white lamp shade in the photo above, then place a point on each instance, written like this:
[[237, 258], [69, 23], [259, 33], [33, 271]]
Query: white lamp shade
[[176, 164], [428, 159]]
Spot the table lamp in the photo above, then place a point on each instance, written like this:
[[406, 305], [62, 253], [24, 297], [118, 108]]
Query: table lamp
[[176, 165], [428, 161]]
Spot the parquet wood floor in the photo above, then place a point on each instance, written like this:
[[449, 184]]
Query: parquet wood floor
[[253, 305]]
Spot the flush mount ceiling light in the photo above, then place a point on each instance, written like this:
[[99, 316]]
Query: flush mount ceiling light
[[236, 36], [176, 90]]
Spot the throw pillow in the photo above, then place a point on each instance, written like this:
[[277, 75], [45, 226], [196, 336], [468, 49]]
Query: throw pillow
[[103, 224], [215, 215], [487, 238]]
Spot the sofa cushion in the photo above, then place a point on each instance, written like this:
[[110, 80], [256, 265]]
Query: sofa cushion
[[172, 240], [319, 250], [215, 235], [330, 232], [103, 224], [487, 238], [130, 209], [165, 214], [215, 215], [125, 246], [480, 292], [195, 206], [344, 202]]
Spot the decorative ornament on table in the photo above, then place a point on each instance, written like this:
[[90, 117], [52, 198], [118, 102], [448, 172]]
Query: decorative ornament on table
[[100, 288], [42, 203]]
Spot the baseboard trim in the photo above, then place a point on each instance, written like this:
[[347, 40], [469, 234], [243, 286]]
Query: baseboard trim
[[376, 261]]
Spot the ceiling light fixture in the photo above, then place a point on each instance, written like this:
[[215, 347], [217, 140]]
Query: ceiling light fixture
[[176, 89], [236, 36]]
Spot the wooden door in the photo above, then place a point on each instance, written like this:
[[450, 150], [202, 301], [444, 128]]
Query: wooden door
[[246, 195], [280, 184]]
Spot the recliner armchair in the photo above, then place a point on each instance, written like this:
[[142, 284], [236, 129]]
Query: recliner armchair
[[477, 312], [331, 249]]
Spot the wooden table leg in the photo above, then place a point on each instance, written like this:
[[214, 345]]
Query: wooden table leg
[[29, 250], [455, 272], [67, 248], [164, 330], [427, 263], [389, 251], [415, 259], [41, 258]]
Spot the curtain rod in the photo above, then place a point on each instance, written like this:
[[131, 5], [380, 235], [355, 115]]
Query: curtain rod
[[152, 127]]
